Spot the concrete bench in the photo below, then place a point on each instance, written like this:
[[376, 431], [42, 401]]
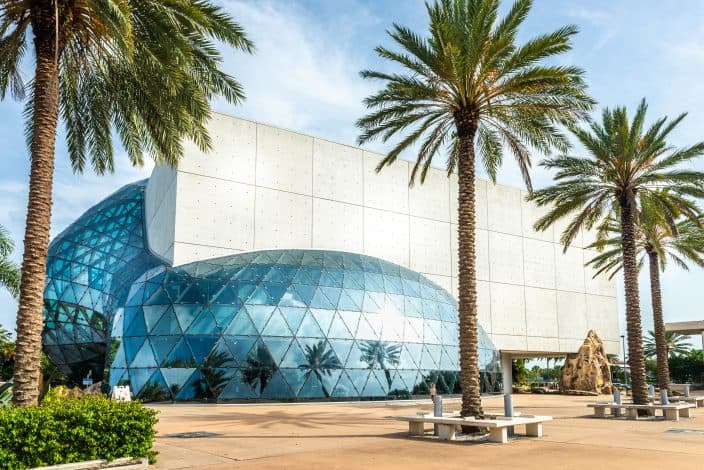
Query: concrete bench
[[498, 425], [698, 401], [670, 412]]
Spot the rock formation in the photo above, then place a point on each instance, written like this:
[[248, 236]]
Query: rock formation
[[588, 369]]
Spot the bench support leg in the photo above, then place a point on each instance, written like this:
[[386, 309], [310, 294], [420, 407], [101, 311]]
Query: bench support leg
[[534, 430], [616, 412], [672, 415], [600, 412], [631, 413], [686, 412], [498, 435], [416, 428], [447, 432]]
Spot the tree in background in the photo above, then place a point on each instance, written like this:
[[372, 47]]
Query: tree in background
[[9, 272], [627, 166], [470, 88], [675, 344], [657, 239], [142, 70]]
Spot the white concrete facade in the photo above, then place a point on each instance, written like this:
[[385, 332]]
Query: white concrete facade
[[263, 187]]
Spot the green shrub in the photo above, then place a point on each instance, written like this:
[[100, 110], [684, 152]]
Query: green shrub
[[64, 430]]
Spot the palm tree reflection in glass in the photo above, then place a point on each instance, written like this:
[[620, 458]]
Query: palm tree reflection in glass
[[321, 361], [260, 368], [381, 355]]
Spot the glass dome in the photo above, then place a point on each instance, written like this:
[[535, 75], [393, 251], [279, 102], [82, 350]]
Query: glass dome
[[276, 324]]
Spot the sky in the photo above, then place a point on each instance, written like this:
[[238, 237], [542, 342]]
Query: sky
[[305, 76]]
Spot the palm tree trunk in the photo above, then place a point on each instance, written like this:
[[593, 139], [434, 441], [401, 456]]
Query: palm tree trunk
[[468, 321], [30, 317], [633, 323], [659, 322]]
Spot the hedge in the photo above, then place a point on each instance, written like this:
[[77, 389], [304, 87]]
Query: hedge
[[65, 430]]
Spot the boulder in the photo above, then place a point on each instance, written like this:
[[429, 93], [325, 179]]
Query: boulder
[[588, 369]]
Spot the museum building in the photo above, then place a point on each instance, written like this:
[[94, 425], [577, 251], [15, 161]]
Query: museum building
[[281, 266]]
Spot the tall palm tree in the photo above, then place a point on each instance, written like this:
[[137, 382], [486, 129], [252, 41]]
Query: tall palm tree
[[657, 240], [9, 272], [382, 355], [145, 69], [676, 344], [321, 361], [468, 87], [626, 165]]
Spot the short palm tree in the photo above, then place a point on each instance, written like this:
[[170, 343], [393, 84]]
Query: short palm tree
[[658, 240], [468, 87], [627, 164], [382, 355], [676, 344], [9, 272], [321, 361], [141, 70], [4, 335]]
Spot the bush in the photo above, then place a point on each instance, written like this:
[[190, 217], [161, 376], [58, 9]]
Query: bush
[[64, 430]]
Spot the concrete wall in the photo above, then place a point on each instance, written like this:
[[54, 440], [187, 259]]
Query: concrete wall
[[264, 187]]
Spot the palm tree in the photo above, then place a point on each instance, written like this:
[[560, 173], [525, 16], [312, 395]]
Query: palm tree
[[9, 272], [145, 69], [320, 360], [657, 240], [469, 88], [260, 368], [4, 335], [676, 345], [627, 165], [381, 354]]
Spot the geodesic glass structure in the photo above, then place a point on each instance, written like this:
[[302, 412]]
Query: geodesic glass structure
[[276, 324]]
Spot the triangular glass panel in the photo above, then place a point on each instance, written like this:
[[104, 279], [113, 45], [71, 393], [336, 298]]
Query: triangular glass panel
[[139, 377], [320, 300], [323, 317], [276, 292], [155, 389], [241, 324], [240, 346], [168, 325], [260, 315], [201, 346], [277, 347], [277, 388], [204, 324], [338, 329], [341, 347], [373, 388], [132, 346], [345, 387], [136, 325], [144, 357], [293, 316], [295, 379], [261, 296], [162, 346], [309, 327], [294, 357], [175, 378], [350, 299], [355, 359], [223, 314], [193, 388], [291, 298], [277, 325], [186, 314], [180, 356], [152, 314], [237, 388], [312, 388]]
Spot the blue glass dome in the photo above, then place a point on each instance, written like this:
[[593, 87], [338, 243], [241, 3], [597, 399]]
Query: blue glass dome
[[276, 324]]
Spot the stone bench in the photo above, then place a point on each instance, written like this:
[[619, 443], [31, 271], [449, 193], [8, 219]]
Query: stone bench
[[670, 412], [698, 401], [498, 426]]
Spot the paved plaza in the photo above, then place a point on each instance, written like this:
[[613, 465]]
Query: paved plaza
[[359, 435]]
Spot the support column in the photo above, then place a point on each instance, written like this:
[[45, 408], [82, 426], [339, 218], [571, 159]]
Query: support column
[[507, 367]]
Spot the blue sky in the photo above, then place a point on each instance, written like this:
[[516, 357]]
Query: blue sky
[[305, 77]]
